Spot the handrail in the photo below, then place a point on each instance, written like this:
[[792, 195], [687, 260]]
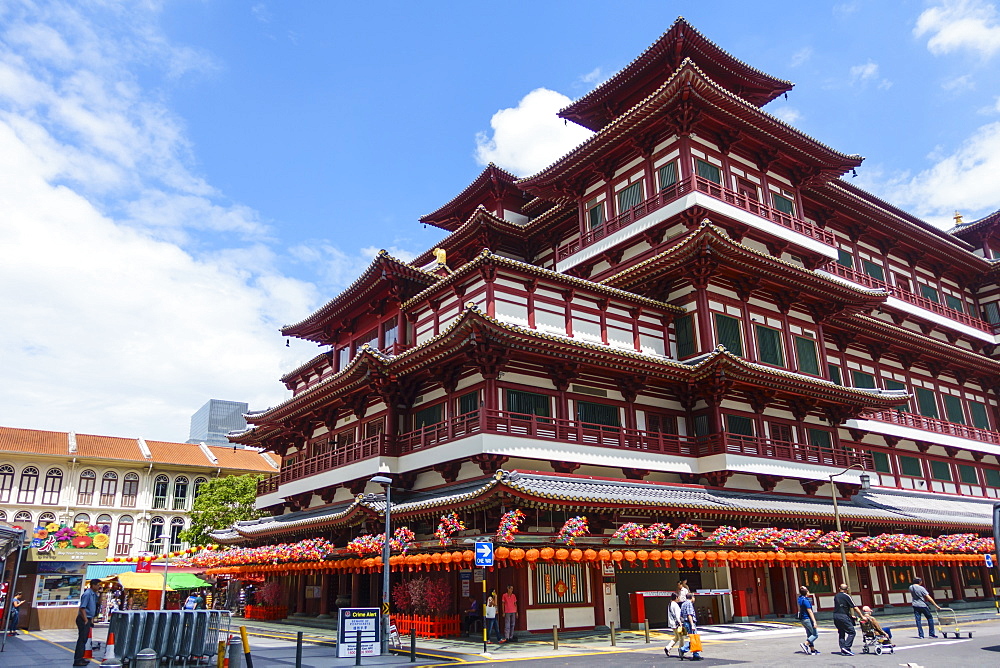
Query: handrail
[[680, 189], [937, 425], [908, 297]]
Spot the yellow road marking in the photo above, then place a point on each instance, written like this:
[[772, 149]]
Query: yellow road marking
[[51, 642]]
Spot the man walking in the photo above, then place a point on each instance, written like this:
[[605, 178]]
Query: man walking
[[690, 621], [89, 604], [509, 603], [808, 619], [918, 599], [844, 612]]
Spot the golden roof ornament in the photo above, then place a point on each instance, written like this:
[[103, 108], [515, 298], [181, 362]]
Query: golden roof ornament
[[441, 255], [958, 219]]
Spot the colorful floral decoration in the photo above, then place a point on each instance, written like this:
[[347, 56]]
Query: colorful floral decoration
[[629, 532], [509, 525], [686, 532], [402, 539], [657, 532], [574, 528], [723, 535], [449, 525], [834, 539], [366, 544], [80, 536]]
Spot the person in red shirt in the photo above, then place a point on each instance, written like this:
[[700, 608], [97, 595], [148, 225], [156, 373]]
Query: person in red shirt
[[509, 603]]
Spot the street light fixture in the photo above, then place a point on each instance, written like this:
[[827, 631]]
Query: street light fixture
[[386, 483], [865, 480]]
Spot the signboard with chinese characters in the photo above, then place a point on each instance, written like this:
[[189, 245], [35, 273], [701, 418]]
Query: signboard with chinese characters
[[560, 584], [358, 624]]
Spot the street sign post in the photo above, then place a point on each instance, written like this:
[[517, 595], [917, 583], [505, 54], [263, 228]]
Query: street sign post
[[484, 555], [355, 624]]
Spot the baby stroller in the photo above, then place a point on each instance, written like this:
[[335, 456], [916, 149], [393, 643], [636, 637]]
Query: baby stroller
[[874, 642]]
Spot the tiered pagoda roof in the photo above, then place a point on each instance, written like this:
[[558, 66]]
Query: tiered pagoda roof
[[493, 186]]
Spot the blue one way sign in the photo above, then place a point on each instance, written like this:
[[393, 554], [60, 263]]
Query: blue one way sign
[[484, 554]]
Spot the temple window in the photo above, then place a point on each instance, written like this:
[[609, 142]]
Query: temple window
[[468, 403], [968, 474], [992, 477], [954, 303], [374, 427], [594, 413], [910, 466], [896, 385], [902, 282], [862, 380], [707, 170], [528, 403], [595, 214], [661, 424], [345, 438], [872, 269], [343, 357], [630, 197], [927, 292], [370, 337], [727, 330], [835, 376], [769, 349], [953, 409], [926, 405], [979, 415], [845, 258], [700, 425], [389, 334], [684, 331], [820, 438], [780, 432], [747, 189], [430, 415], [805, 350], [991, 313], [881, 461], [940, 470], [668, 175], [739, 425], [784, 203]]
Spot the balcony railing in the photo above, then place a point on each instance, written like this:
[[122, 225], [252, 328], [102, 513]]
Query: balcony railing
[[937, 426], [905, 295], [570, 431], [680, 189]]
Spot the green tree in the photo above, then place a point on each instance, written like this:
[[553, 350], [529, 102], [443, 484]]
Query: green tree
[[220, 503]]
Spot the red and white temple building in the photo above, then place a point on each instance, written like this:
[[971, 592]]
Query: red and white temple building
[[690, 318]]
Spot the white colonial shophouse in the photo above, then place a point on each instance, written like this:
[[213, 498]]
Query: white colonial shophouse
[[139, 489]]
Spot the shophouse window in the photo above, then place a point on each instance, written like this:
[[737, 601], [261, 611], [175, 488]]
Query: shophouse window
[[896, 385], [739, 425], [29, 484], [955, 303], [123, 540], [910, 466], [130, 490], [104, 523], [160, 488], [874, 270], [109, 488], [196, 488], [926, 405], [820, 439], [708, 171], [863, 380], [155, 531], [835, 374], [940, 470], [80, 517], [780, 432], [428, 416], [968, 474], [805, 350], [468, 403], [629, 197], [53, 483], [783, 204], [928, 292], [978, 413], [668, 175], [728, 333], [661, 424], [595, 214], [85, 489], [845, 258], [180, 492], [769, 350], [881, 461], [6, 482], [528, 403], [992, 477], [953, 409], [591, 413], [684, 329], [176, 526]]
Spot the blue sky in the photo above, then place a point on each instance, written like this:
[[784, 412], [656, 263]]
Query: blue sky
[[180, 179]]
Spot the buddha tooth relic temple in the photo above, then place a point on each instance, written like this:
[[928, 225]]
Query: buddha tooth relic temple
[[687, 349]]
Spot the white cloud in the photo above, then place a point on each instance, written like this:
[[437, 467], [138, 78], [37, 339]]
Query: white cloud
[[955, 25], [959, 84], [530, 136], [133, 290], [790, 115], [801, 56], [868, 73], [964, 180], [593, 77]]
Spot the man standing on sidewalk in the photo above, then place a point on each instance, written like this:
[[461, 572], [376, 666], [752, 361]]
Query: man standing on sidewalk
[[509, 603], [89, 604], [918, 599]]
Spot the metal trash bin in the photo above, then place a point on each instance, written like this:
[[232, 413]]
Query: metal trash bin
[[145, 659], [235, 652]]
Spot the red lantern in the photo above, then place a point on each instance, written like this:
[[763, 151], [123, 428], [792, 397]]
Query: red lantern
[[605, 555], [502, 552], [445, 558], [531, 555], [630, 557], [677, 556], [517, 554], [575, 555], [655, 555], [562, 554], [468, 555], [617, 556], [712, 556], [590, 555], [643, 557], [700, 556], [547, 553]]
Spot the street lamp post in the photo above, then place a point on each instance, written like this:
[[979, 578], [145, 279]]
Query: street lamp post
[[836, 512], [386, 483]]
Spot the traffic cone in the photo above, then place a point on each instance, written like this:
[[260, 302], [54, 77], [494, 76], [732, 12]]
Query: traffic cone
[[89, 653], [109, 649]]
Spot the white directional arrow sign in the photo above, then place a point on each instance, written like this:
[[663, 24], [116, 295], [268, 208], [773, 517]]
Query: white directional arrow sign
[[484, 555]]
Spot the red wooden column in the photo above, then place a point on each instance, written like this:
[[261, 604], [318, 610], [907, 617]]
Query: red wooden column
[[300, 594], [324, 595]]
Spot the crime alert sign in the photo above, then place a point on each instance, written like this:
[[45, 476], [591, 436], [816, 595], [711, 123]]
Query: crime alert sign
[[358, 623], [484, 555]]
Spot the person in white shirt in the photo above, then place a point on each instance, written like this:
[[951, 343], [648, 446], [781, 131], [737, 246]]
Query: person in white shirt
[[674, 624], [491, 617], [682, 592]]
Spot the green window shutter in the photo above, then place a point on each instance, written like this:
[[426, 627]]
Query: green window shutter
[[940, 470], [684, 330], [953, 302], [978, 413], [468, 403], [873, 270], [910, 466], [661, 424], [953, 409], [805, 350], [592, 413], [968, 474], [991, 313], [881, 462], [709, 171], [528, 403], [926, 404], [896, 385], [428, 416], [740, 425], [596, 215], [769, 350], [992, 477], [783, 204], [930, 293], [821, 439], [701, 425], [728, 333], [835, 374], [668, 175], [629, 197], [845, 258], [863, 380]]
